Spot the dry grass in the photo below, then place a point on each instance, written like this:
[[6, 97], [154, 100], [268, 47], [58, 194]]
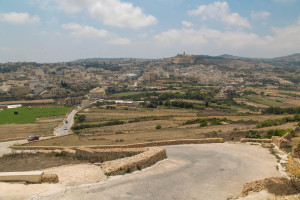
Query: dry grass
[[43, 126]]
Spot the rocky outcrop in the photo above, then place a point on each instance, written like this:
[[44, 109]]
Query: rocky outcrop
[[50, 178]]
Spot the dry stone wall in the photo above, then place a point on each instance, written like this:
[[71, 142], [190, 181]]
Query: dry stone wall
[[102, 155], [137, 162], [163, 143], [294, 165], [137, 145], [280, 142], [244, 140]]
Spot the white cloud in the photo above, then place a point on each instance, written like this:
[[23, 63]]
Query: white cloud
[[204, 36], [283, 41], [73, 6], [86, 31], [119, 41], [4, 49], [19, 18], [187, 24], [78, 30], [260, 15], [120, 14], [220, 11], [110, 12]]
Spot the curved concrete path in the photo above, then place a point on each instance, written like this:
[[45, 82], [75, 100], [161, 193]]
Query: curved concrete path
[[205, 171]]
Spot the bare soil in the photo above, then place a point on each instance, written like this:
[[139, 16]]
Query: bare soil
[[34, 161]]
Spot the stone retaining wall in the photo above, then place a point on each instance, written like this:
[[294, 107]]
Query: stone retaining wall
[[294, 165], [137, 145], [162, 143], [102, 155], [243, 140], [137, 162], [280, 142]]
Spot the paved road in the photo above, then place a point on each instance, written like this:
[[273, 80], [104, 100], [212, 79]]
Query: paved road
[[65, 127], [205, 171], [4, 146]]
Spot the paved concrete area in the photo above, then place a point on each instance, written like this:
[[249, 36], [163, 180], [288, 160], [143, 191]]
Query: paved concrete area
[[205, 171], [69, 176], [4, 146]]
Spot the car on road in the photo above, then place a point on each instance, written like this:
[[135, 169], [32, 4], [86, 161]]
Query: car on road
[[66, 121], [32, 138], [65, 128]]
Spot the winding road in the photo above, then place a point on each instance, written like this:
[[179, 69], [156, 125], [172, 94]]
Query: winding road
[[205, 171]]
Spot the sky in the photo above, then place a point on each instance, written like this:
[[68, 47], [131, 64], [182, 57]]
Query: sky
[[66, 30]]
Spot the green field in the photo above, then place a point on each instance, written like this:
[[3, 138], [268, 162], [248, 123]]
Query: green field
[[124, 94], [267, 102], [29, 115]]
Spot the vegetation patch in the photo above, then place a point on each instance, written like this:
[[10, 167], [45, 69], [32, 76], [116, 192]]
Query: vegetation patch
[[277, 122], [253, 134], [278, 132], [264, 101], [25, 115], [204, 121], [279, 111]]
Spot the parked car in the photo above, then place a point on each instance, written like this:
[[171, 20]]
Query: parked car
[[32, 138], [66, 121], [65, 128]]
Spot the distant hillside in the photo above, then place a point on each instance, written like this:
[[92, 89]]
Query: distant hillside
[[289, 58], [233, 57], [111, 59], [99, 59]]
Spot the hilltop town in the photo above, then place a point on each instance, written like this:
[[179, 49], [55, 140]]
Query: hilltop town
[[102, 77]]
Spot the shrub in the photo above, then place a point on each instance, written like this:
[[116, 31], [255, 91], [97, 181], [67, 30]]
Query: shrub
[[215, 122], [16, 112], [253, 134], [79, 118], [202, 124], [158, 126], [278, 132]]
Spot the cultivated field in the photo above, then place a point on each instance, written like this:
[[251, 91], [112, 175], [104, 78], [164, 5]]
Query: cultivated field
[[146, 125], [30, 121], [41, 127], [25, 115]]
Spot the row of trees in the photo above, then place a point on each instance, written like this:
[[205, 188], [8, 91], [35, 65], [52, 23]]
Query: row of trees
[[279, 111]]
